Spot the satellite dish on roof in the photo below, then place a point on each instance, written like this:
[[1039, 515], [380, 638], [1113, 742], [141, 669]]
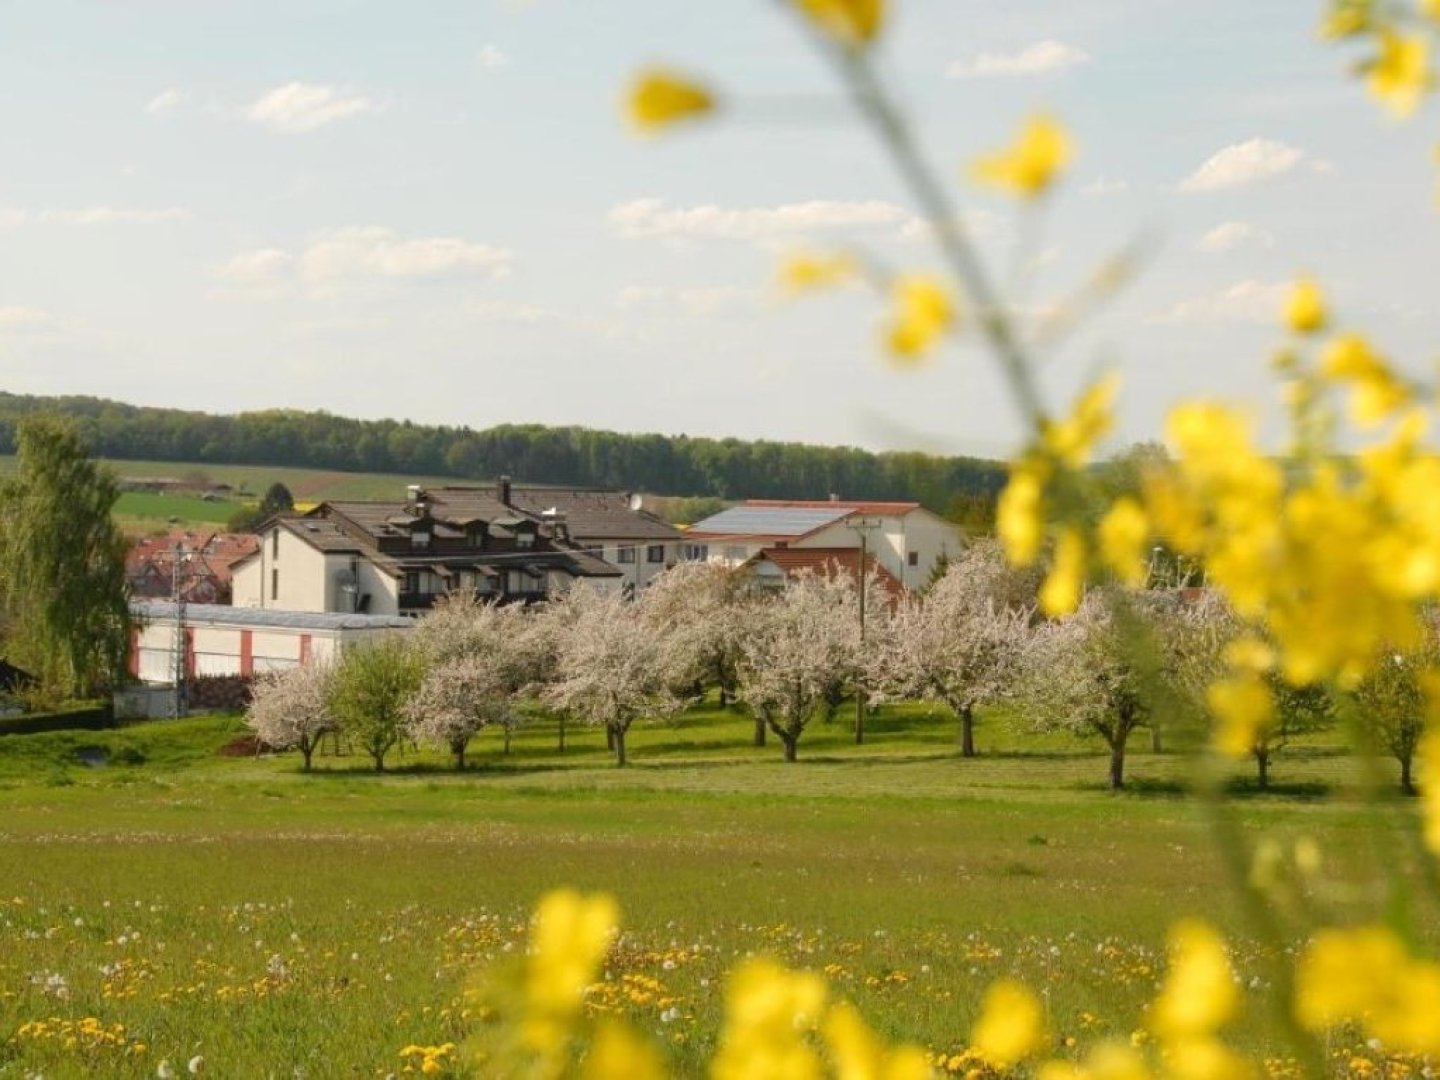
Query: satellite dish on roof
[[635, 502]]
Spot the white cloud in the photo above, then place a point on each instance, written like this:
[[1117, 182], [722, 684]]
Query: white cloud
[[652, 217], [979, 223], [166, 101], [114, 215], [1243, 163], [1245, 301], [299, 107], [23, 318], [254, 267], [709, 300], [374, 252], [491, 58], [1047, 57], [1231, 234], [1103, 186]]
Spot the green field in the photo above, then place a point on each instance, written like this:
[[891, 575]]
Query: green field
[[273, 921]]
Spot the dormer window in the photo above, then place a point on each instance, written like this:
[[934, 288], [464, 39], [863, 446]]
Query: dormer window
[[420, 538], [524, 539]]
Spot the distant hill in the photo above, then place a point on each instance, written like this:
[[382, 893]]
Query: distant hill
[[675, 465]]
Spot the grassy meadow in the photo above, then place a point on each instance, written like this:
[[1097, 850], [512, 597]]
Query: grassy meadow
[[166, 901]]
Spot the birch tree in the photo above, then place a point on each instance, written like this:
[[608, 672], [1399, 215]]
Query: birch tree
[[291, 709], [611, 665], [963, 643]]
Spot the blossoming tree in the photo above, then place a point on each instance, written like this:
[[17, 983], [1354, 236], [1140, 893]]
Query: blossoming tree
[[292, 708]]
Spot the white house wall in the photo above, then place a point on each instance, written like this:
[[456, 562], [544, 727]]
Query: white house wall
[[287, 574]]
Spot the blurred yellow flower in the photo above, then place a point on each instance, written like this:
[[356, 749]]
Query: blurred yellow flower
[[1243, 709], [768, 1011], [1347, 18], [1430, 9], [1072, 438], [923, 311], [1375, 391], [857, 1054], [1019, 513], [1122, 533], [1199, 994], [1011, 1025], [805, 272], [659, 97], [1305, 309], [1060, 594], [1029, 165], [1401, 74], [618, 1053], [571, 936], [853, 22], [1366, 975]]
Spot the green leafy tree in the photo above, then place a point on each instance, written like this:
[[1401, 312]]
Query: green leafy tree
[[370, 689], [62, 564]]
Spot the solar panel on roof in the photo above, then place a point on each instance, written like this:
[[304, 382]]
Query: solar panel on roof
[[769, 520]]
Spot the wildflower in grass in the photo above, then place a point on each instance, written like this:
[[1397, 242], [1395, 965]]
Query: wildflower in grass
[[660, 98], [1199, 994], [1401, 74], [1305, 311], [1032, 163], [768, 1012], [807, 271], [854, 23], [1011, 1026], [923, 311]]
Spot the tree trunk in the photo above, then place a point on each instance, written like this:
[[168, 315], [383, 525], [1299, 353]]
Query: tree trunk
[[459, 757], [1407, 783], [307, 750], [1157, 742], [1117, 765], [609, 737], [759, 731], [790, 743], [967, 731], [617, 742], [1262, 763], [507, 738], [379, 756], [724, 697]]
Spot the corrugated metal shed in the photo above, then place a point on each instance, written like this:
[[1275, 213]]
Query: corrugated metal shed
[[224, 615]]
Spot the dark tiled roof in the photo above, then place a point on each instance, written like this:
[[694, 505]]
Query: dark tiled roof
[[590, 513]]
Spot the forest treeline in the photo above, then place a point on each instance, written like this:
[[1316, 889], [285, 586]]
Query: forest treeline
[[680, 465]]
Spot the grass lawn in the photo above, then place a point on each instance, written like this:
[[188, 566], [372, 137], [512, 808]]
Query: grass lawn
[[273, 921]]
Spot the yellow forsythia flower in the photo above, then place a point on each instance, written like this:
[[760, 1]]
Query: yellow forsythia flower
[[768, 1011], [1072, 438], [923, 312], [1199, 993], [858, 1054], [1430, 9], [1366, 975], [1029, 165], [1060, 595], [1243, 708], [1375, 391], [1011, 1025], [571, 936], [659, 98], [1400, 75], [854, 22], [1249, 654], [1019, 513], [1429, 753], [618, 1053], [1305, 309], [1122, 533], [804, 272]]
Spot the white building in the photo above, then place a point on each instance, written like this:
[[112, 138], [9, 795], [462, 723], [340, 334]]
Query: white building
[[903, 537], [223, 640]]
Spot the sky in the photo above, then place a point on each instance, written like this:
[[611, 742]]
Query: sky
[[434, 211]]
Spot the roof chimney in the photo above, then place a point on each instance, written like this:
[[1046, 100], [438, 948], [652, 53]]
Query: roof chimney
[[412, 493], [834, 497], [502, 490]]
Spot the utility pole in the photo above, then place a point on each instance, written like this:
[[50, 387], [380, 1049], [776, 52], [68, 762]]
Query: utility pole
[[177, 596], [863, 526]]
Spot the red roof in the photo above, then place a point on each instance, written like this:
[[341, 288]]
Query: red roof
[[895, 508], [212, 554], [827, 561]]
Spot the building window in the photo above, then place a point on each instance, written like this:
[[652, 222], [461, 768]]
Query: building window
[[698, 552], [735, 553], [625, 555], [655, 553], [275, 544], [913, 559], [525, 539], [412, 582], [274, 584]]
